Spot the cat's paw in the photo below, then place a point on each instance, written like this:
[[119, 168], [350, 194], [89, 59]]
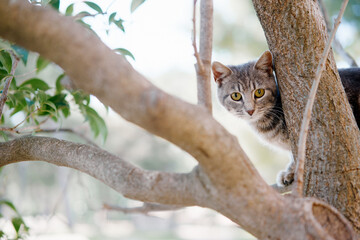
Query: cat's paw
[[285, 178]]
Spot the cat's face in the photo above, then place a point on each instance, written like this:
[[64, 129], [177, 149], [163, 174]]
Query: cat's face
[[249, 90]]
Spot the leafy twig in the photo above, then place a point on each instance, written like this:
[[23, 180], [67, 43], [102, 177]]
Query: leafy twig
[[298, 189], [27, 117], [7, 83]]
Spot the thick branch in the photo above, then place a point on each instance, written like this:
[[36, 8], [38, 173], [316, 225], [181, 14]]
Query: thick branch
[[131, 181]]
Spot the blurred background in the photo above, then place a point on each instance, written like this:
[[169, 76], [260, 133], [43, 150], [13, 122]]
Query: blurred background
[[61, 203]]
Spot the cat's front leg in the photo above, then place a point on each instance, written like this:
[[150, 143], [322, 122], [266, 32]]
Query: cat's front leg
[[286, 177]]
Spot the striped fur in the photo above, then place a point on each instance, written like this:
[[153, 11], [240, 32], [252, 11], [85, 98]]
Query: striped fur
[[268, 117], [265, 114]]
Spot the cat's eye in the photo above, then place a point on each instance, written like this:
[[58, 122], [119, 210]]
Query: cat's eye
[[259, 93], [236, 96]]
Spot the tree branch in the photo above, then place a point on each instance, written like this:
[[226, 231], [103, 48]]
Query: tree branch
[[131, 181], [204, 58]]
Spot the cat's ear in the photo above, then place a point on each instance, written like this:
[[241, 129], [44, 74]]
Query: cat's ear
[[220, 71], [265, 63]]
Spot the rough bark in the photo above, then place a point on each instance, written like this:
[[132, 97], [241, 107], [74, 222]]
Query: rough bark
[[296, 34], [229, 182]]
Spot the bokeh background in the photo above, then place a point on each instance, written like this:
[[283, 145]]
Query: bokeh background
[[61, 203]]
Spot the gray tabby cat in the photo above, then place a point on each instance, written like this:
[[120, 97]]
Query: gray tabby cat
[[249, 91]]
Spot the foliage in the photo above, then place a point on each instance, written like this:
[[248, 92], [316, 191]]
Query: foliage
[[35, 97], [17, 222], [40, 101]]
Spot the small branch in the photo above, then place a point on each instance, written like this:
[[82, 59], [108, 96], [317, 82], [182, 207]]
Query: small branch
[[27, 117], [337, 45], [196, 53], [204, 56], [298, 188], [7, 83], [144, 209]]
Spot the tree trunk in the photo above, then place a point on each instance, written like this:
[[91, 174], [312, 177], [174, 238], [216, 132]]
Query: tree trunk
[[296, 34]]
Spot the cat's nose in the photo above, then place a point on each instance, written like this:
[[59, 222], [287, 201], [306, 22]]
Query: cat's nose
[[250, 112]]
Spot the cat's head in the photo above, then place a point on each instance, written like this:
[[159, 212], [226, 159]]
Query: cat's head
[[247, 90]]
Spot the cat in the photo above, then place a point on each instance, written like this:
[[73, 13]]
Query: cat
[[250, 92]]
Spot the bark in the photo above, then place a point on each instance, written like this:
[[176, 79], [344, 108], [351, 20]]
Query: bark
[[225, 180], [296, 34]]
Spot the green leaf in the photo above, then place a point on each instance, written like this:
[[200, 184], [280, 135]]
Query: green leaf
[[135, 4], [2, 234], [17, 222], [119, 24], [97, 124], [59, 101], [69, 10], [112, 17], [124, 52], [5, 137], [41, 96], [9, 204], [51, 104], [6, 60], [41, 63], [65, 111], [36, 84], [21, 52], [13, 84], [81, 98], [55, 4], [3, 74], [94, 6], [59, 86]]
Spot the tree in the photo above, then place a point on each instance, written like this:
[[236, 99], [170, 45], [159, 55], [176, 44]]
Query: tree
[[224, 180]]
